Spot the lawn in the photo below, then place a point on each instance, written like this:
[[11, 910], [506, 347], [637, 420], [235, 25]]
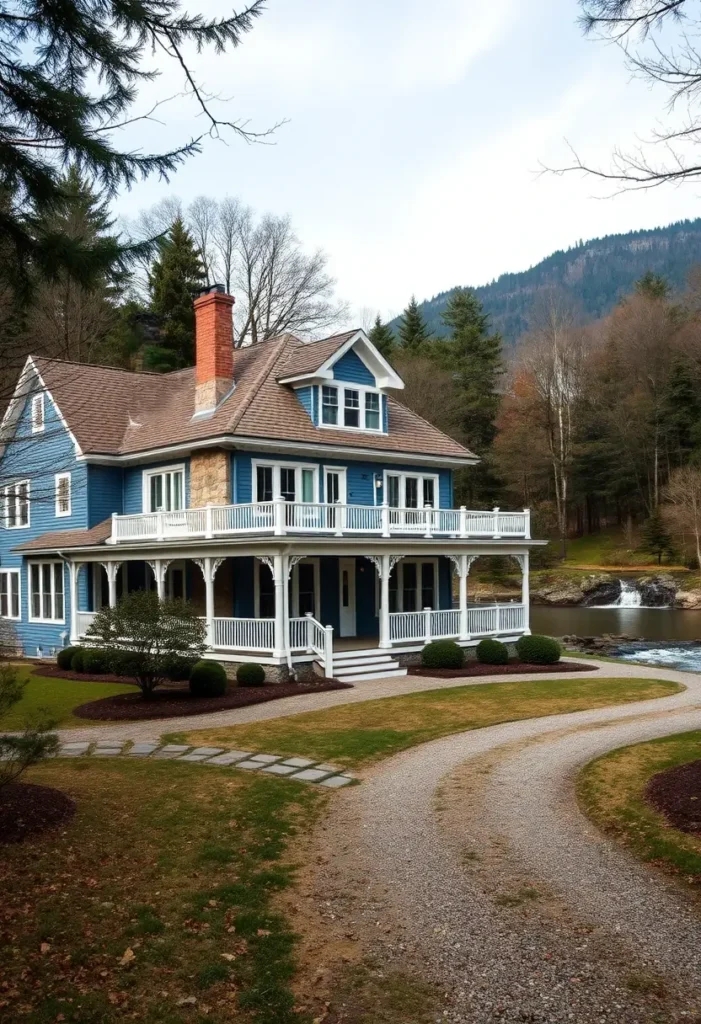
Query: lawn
[[156, 903], [357, 734], [58, 697], [611, 791]]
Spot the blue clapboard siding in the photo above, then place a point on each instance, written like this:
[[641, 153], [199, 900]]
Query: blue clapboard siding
[[306, 398], [38, 457], [134, 484], [360, 478], [351, 369], [105, 492]]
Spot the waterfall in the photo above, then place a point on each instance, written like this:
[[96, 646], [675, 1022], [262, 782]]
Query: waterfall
[[630, 596]]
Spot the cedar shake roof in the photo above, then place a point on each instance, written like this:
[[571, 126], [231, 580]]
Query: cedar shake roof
[[119, 412], [60, 539]]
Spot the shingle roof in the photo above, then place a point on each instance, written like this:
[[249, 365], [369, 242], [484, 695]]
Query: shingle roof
[[308, 358], [114, 412], [60, 539]]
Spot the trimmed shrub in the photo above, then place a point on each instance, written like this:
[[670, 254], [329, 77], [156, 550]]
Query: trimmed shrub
[[65, 657], [180, 669], [538, 650], [77, 660], [95, 662], [492, 652], [250, 674], [443, 654], [208, 679]]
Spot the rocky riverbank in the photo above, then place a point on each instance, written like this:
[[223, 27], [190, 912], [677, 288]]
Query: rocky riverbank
[[587, 590]]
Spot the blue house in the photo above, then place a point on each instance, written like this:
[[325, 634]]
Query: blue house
[[282, 488]]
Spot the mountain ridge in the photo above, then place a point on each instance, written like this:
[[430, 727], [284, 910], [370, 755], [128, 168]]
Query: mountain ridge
[[596, 273]]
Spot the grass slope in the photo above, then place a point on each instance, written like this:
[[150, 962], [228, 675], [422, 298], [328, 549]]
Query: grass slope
[[611, 791], [356, 734], [58, 697], [156, 902]]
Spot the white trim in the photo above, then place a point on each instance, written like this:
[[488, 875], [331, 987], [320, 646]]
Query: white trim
[[362, 389], [316, 449], [6, 493], [391, 378], [30, 592], [146, 476], [38, 413], [276, 467], [18, 574], [57, 479], [402, 487]]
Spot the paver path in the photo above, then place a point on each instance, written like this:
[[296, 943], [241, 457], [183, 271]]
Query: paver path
[[510, 898], [371, 690]]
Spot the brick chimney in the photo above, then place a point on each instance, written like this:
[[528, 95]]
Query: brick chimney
[[214, 348]]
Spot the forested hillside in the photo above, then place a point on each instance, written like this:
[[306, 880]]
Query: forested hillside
[[596, 274]]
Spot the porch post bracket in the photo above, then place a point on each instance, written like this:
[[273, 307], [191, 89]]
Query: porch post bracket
[[159, 568], [267, 560], [521, 560], [111, 568], [199, 562], [216, 565], [376, 561], [292, 562]]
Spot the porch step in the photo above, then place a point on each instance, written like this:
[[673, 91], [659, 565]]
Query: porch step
[[358, 666], [365, 677]]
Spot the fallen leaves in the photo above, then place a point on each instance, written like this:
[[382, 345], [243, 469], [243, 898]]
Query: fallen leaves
[[127, 957]]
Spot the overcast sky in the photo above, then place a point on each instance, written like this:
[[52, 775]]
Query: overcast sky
[[414, 138]]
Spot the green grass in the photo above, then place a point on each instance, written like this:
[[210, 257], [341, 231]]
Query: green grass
[[356, 734], [57, 697], [612, 792], [123, 914]]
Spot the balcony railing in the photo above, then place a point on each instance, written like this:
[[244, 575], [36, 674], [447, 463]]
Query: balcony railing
[[282, 518], [490, 620]]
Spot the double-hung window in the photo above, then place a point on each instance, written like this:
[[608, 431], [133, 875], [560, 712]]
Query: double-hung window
[[46, 594], [165, 489], [372, 410], [406, 490], [287, 481], [329, 405], [9, 594], [63, 494], [37, 414], [351, 407], [17, 505]]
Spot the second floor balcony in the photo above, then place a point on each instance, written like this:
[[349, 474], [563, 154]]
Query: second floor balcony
[[280, 518]]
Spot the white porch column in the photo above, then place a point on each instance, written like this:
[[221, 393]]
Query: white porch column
[[159, 573], [525, 590], [462, 564], [111, 568], [280, 580], [209, 599], [73, 588], [385, 568]]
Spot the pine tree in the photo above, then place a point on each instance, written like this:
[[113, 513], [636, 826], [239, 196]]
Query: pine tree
[[413, 333], [681, 411], [175, 278], [656, 539], [653, 286], [382, 337]]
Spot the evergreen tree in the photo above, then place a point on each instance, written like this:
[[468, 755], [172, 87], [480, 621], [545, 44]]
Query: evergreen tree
[[413, 333], [175, 278], [652, 286], [681, 411], [656, 539], [382, 337], [70, 74]]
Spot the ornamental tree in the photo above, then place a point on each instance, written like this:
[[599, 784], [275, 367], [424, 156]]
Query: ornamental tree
[[145, 637]]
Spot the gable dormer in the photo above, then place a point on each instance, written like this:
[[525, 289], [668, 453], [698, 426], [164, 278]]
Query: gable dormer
[[341, 383]]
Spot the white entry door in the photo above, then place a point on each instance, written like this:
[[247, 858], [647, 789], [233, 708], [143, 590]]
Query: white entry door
[[346, 583]]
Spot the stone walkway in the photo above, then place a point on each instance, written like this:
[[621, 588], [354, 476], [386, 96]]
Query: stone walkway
[[302, 769]]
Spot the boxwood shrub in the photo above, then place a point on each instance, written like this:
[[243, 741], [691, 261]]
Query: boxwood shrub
[[95, 661], [65, 657], [442, 654], [180, 669], [77, 660], [538, 650], [250, 674], [492, 652], [208, 679]]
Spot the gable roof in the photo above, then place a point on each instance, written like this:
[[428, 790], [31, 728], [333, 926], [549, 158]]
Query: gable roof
[[120, 412]]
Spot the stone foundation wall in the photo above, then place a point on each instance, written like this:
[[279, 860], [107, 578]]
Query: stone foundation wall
[[210, 478]]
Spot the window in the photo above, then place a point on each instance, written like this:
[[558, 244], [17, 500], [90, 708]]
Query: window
[[351, 408], [372, 410], [9, 594], [46, 591], [286, 480], [164, 489], [63, 494], [411, 491], [17, 505], [413, 586], [329, 405], [37, 414], [362, 408]]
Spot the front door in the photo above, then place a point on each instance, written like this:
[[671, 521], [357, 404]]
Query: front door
[[346, 580]]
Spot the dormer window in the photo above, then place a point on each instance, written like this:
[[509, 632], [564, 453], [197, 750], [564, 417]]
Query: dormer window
[[353, 408], [37, 414]]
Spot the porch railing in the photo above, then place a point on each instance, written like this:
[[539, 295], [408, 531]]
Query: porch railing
[[82, 621], [281, 518], [499, 620], [306, 634], [244, 634]]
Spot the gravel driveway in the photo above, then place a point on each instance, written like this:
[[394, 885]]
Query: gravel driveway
[[501, 892]]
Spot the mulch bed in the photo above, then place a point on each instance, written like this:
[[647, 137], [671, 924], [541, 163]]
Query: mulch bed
[[50, 671], [27, 810], [514, 668], [173, 703], [676, 793]]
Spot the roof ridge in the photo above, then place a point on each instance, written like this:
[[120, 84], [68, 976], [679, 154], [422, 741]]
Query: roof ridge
[[103, 366], [260, 380]]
